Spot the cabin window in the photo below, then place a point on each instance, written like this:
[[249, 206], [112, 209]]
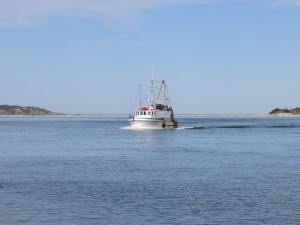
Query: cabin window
[[145, 113]]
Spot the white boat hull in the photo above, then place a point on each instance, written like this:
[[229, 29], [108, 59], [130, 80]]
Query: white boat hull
[[153, 123]]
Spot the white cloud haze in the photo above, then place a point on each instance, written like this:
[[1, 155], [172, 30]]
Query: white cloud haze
[[25, 12], [28, 12]]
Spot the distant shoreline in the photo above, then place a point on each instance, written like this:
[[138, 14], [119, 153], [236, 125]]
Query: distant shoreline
[[285, 112], [9, 110], [279, 115]]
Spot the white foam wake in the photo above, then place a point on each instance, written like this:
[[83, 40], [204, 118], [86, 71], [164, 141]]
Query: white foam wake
[[141, 128], [186, 128], [158, 128]]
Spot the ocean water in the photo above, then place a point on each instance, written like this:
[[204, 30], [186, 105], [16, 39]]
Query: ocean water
[[93, 171]]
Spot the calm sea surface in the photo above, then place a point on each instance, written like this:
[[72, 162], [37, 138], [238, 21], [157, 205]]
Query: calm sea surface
[[91, 171]]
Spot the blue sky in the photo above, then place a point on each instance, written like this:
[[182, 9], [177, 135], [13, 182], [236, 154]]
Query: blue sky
[[88, 56]]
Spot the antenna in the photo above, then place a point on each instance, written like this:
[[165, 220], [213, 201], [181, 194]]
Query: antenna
[[152, 85]]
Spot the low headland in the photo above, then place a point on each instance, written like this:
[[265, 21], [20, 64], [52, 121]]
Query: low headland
[[285, 112], [15, 110], [10, 110]]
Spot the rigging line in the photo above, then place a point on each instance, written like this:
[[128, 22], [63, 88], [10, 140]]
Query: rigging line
[[137, 95], [166, 93]]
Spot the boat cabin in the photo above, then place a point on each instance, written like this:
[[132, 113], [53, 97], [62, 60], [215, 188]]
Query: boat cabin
[[145, 113]]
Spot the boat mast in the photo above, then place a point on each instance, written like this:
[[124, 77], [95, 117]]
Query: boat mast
[[163, 94], [152, 87]]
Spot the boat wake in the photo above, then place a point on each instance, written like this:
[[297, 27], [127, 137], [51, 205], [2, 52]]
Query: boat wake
[[141, 128], [157, 128], [210, 127], [190, 128]]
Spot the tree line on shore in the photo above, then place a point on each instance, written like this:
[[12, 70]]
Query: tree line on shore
[[27, 110], [294, 111]]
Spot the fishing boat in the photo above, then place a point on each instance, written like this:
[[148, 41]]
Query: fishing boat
[[158, 113]]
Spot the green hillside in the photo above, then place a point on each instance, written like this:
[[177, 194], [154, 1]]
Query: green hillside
[[295, 111], [28, 110]]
